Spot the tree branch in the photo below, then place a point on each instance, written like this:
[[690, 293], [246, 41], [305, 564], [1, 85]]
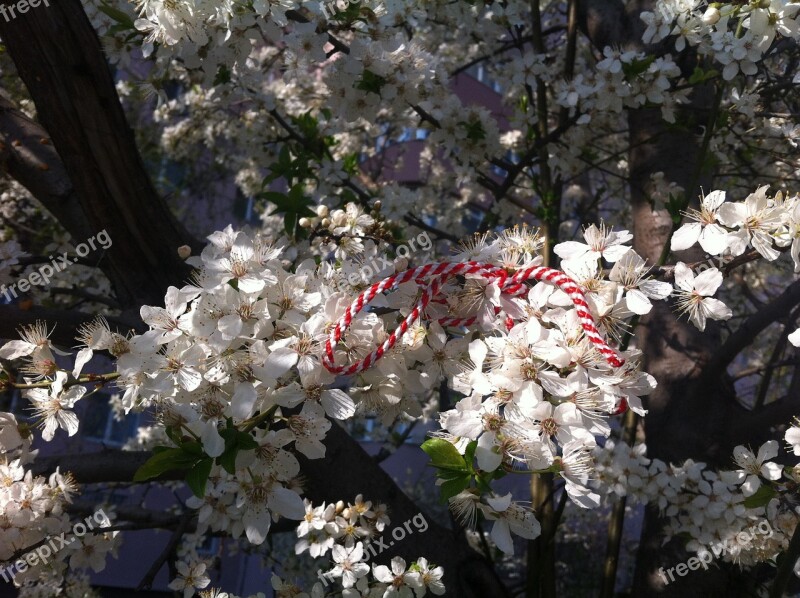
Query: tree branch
[[743, 337], [604, 22], [60, 60]]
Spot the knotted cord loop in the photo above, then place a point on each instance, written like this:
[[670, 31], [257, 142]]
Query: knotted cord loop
[[437, 275]]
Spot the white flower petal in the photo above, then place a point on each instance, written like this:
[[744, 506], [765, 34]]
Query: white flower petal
[[637, 302], [716, 309], [708, 281], [767, 451], [15, 349], [794, 338], [686, 236], [714, 200], [570, 250], [213, 443], [714, 239], [684, 278], [81, 359], [338, 404], [287, 503], [501, 536], [488, 458], [280, 361], [243, 400]]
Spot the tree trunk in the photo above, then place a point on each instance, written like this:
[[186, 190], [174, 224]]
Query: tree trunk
[[677, 425], [61, 61]]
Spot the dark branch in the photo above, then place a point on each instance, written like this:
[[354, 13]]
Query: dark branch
[[743, 337], [60, 59]]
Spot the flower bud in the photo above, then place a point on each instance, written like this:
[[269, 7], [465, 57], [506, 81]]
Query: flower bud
[[340, 506], [322, 211], [377, 205], [339, 218], [711, 16], [304, 223], [184, 251], [326, 222]]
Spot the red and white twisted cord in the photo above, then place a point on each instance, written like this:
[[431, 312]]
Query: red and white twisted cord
[[436, 275]]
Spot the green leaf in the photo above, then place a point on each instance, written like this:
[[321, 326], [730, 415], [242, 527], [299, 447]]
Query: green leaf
[[450, 474], [469, 454], [290, 221], [762, 496], [174, 434], [483, 481], [350, 164], [475, 130], [636, 67], [193, 448], [370, 82], [674, 206], [198, 476], [117, 15], [223, 75], [246, 442], [700, 76], [227, 460], [346, 16], [452, 487], [162, 462], [444, 454], [307, 125]]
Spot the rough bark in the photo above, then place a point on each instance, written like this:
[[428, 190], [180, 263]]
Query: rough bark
[[677, 426], [60, 60], [31, 159]]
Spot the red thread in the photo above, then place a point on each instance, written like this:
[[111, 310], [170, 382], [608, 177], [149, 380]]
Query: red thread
[[437, 275]]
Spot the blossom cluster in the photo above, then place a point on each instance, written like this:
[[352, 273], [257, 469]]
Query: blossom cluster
[[234, 367], [347, 532], [763, 225], [248, 70], [327, 525], [711, 507], [33, 511], [234, 361], [737, 35]]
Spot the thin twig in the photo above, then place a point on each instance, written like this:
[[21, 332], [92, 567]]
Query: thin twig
[[169, 549]]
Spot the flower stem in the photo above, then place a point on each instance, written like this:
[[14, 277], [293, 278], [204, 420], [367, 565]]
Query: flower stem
[[786, 567]]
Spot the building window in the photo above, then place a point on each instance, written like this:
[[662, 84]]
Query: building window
[[413, 134], [209, 547], [98, 423], [478, 72]]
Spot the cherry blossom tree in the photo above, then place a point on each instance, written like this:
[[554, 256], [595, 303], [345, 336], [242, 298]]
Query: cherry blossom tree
[[629, 342]]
